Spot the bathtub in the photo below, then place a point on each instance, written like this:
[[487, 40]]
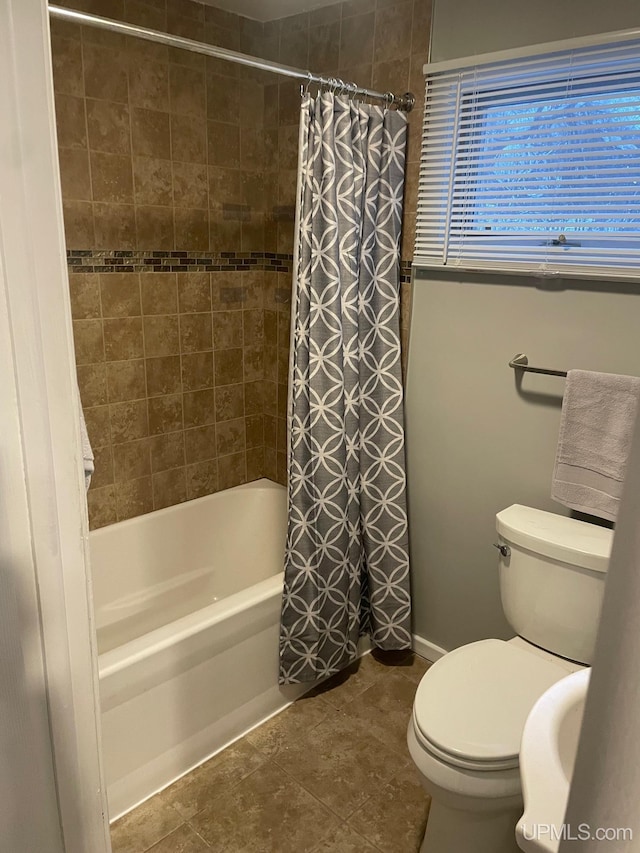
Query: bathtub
[[187, 607]]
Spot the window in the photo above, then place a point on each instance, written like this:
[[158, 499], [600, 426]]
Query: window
[[533, 163]]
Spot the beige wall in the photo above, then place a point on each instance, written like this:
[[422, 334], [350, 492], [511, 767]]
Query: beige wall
[[476, 443], [466, 27]]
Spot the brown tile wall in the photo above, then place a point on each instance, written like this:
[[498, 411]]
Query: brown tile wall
[[160, 149], [277, 320], [171, 374]]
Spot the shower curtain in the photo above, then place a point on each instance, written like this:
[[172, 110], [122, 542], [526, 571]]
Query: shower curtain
[[346, 564]]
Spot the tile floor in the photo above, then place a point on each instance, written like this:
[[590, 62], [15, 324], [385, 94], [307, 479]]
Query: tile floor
[[331, 774]]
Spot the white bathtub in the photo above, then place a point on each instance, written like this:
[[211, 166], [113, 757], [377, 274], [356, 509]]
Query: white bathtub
[[187, 603]]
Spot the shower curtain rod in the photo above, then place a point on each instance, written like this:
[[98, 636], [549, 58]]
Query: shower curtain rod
[[402, 102]]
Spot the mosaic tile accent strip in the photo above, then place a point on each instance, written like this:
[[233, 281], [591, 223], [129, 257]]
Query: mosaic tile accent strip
[[119, 261], [405, 272]]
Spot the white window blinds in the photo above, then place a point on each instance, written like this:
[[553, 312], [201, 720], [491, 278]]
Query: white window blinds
[[532, 164]]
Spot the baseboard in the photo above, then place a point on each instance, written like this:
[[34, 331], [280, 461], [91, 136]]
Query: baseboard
[[426, 649]]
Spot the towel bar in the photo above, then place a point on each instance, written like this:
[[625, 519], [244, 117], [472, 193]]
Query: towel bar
[[521, 362]]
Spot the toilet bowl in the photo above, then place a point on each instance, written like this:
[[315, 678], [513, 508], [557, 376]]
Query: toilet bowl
[[471, 705], [464, 737]]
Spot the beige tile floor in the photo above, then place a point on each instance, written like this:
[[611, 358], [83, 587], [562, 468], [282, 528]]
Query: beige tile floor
[[331, 774]]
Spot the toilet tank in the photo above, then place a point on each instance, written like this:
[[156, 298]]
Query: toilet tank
[[552, 576]]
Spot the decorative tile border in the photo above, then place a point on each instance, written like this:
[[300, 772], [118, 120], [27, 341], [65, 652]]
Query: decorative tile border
[[119, 261]]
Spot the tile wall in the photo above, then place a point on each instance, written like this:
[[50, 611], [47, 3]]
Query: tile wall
[[162, 161], [178, 176], [160, 148]]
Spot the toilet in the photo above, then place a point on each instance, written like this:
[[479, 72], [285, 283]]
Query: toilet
[[470, 707]]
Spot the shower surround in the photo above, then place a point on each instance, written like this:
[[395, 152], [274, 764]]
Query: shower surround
[[178, 176]]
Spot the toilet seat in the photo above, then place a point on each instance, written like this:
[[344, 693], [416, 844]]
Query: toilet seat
[[507, 763], [470, 707]]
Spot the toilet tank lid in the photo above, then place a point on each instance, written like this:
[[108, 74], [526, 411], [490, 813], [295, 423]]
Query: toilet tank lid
[[566, 539]]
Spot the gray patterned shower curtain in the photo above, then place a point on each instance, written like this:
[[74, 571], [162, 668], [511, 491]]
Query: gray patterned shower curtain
[[346, 564]]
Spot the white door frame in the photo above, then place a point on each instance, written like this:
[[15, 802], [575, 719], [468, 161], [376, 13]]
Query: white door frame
[[42, 500]]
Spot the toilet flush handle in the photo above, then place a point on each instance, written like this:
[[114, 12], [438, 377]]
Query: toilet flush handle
[[504, 549]]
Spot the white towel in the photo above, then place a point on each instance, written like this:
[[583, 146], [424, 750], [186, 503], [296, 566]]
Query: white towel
[[87, 452], [598, 414]]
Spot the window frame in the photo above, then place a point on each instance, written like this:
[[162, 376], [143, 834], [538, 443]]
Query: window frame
[[553, 257]]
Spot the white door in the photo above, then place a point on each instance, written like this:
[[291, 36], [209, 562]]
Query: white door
[[51, 788]]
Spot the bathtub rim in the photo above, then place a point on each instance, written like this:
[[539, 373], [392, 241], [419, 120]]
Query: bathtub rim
[[263, 482]]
